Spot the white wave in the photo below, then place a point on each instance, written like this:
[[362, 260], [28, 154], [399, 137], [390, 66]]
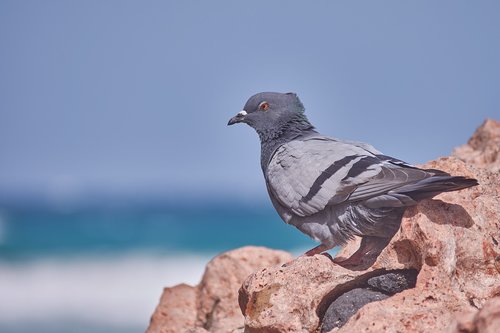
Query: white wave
[[108, 291]]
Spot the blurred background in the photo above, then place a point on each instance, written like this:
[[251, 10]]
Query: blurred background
[[118, 174]]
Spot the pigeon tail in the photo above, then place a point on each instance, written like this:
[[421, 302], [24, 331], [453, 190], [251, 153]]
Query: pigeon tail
[[429, 187]]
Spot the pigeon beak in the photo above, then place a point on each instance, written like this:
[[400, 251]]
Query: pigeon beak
[[238, 118]]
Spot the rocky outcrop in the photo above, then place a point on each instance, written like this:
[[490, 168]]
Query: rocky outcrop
[[176, 311], [483, 148], [439, 273], [212, 306]]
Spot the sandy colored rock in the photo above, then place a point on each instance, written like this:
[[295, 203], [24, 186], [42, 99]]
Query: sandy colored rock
[[285, 299], [212, 306], [217, 305], [176, 311], [485, 320], [197, 330], [483, 148]]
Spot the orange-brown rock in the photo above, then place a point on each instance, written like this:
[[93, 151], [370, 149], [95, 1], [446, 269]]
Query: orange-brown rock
[[217, 306], [212, 306], [176, 311], [286, 299], [483, 148], [486, 320]]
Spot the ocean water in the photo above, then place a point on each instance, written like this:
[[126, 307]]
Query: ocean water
[[103, 270]]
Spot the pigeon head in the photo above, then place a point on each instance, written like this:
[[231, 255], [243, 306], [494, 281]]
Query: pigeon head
[[273, 114]]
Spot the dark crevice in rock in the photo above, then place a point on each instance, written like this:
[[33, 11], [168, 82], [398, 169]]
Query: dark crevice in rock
[[210, 316], [346, 299]]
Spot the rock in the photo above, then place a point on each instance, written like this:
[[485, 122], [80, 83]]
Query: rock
[[306, 288], [346, 305], [483, 148], [217, 306], [212, 306], [376, 288], [394, 282], [486, 320], [176, 311], [196, 330], [285, 299], [453, 242]]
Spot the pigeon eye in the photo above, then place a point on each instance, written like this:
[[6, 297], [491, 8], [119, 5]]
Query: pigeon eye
[[264, 106]]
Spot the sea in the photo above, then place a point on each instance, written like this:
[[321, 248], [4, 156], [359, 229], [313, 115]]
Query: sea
[[95, 269]]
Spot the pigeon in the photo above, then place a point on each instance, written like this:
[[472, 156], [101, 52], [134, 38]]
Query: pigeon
[[334, 190]]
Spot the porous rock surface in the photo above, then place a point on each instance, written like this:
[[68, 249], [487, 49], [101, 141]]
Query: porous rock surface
[[450, 242]]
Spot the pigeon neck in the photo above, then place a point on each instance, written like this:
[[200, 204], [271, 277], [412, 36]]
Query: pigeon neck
[[272, 140]]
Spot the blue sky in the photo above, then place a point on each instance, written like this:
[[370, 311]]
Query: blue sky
[[134, 96]]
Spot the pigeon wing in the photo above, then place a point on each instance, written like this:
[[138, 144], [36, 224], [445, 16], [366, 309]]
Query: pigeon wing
[[306, 176]]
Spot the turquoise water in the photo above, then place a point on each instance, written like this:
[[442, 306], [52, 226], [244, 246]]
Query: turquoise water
[[29, 234], [103, 270]]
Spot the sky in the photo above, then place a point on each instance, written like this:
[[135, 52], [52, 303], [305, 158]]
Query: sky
[[133, 97]]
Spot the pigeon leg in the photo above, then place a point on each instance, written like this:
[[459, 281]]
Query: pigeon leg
[[317, 250], [369, 249]]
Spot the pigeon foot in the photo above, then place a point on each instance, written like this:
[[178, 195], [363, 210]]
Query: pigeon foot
[[367, 253], [320, 249]]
